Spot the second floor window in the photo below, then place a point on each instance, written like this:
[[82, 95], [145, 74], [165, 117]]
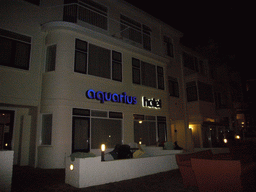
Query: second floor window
[[98, 61], [14, 50], [136, 32], [147, 74]]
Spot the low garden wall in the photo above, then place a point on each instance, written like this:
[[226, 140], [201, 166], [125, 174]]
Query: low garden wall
[[6, 167], [92, 171]]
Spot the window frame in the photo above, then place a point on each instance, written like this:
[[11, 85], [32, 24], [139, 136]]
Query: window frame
[[16, 39], [158, 120], [137, 66], [112, 61], [92, 114], [49, 131], [168, 44], [50, 65], [129, 24], [192, 87], [174, 89]]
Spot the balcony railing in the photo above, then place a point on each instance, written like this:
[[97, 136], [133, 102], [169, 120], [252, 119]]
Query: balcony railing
[[138, 35], [80, 11]]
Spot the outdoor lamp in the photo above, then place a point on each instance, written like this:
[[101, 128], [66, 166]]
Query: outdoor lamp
[[71, 167], [103, 148], [225, 140], [237, 137]]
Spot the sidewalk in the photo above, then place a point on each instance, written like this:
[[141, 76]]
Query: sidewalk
[[30, 179]]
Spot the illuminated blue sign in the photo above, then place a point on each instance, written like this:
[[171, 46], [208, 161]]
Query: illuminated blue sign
[[114, 97]]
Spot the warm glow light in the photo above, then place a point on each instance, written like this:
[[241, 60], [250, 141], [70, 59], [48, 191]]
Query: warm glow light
[[140, 142], [140, 122], [237, 137], [6, 144], [191, 126], [225, 140], [103, 147], [71, 167], [242, 123]]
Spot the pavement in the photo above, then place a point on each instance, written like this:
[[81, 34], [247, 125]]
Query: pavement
[[30, 179], [38, 180]]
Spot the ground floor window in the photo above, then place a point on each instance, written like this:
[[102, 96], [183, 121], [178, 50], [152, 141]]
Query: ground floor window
[[91, 128], [149, 130], [6, 129]]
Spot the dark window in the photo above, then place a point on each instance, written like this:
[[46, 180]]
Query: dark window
[[116, 66], [138, 117], [35, 2], [135, 71], [130, 29], [160, 77], [50, 58], [161, 129], [81, 56], [173, 87], [81, 134], [99, 61], [81, 112], [205, 92], [202, 68], [149, 129], [117, 115], [190, 62], [135, 31], [14, 50], [46, 129], [146, 37], [191, 91], [148, 74], [107, 131], [168, 46], [94, 60]]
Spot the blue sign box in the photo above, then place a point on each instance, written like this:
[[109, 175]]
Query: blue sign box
[[114, 97]]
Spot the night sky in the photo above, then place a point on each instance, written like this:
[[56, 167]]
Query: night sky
[[230, 24]]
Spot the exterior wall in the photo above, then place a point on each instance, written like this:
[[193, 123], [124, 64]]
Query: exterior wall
[[63, 90], [21, 87], [34, 92]]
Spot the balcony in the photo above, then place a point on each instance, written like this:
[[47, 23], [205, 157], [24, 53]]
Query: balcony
[[96, 17]]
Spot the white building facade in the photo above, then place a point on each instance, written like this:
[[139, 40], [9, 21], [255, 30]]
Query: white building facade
[[76, 74]]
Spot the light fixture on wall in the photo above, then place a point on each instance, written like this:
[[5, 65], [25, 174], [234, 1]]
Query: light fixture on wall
[[71, 167], [225, 140], [103, 149], [237, 137]]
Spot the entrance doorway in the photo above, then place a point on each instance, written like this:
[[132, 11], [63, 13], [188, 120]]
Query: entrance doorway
[[6, 129], [81, 134]]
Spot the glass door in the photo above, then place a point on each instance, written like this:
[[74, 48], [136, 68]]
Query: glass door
[[6, 129], [81, 134], [162, 133]]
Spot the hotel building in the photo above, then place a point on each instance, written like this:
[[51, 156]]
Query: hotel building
[[78, 73]]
